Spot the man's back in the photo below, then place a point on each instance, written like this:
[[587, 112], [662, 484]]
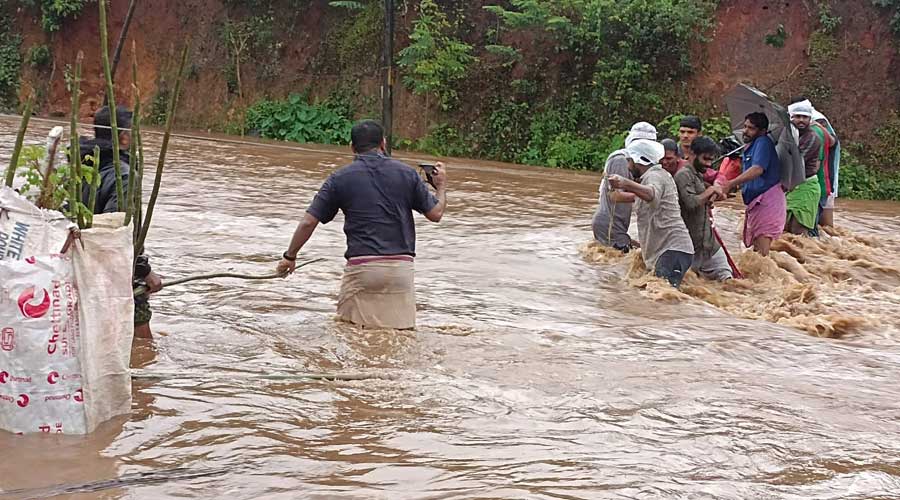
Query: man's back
[[616, 164], [377, 196]]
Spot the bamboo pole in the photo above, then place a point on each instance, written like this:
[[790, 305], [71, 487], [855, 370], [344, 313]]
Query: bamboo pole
[[104, 53], [138, 160], [132, 156], [170, 121], [20, 138], [95, 185], [75, 147], [122, 36]]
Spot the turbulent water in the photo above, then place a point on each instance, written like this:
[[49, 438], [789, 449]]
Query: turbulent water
[[543, 366]]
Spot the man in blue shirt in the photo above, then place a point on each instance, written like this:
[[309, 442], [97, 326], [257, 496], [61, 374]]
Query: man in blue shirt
[[761, 186], [377, 196]]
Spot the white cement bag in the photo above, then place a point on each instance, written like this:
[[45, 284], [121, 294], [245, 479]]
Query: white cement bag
[[26, 230], [66, 323], [40, 370]]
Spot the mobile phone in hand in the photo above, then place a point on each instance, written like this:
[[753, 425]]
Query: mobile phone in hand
[[428, 168]]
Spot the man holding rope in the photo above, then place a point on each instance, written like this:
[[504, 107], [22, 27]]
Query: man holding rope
[[107, 201], [695, 198], [377, 196]]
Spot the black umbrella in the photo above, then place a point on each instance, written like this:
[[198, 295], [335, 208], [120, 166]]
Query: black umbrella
[[742, 101]]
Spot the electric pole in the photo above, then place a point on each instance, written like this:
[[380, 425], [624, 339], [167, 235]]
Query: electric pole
[[387, 89]]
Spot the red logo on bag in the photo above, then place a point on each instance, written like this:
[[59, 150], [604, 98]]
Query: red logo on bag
[[23, 400], [52, 377], [30, 310], [7, 339], [3, 377], [79, 396], [31, 260]]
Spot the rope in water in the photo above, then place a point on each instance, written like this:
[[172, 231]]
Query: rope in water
[[144, 289]]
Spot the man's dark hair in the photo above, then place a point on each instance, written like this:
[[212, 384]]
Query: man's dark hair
[[704, 145], [102, 121], [366, 136], [691, 121], [759, 120], [669, 145], [798, 98]]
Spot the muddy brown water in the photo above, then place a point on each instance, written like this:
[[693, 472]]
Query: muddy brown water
[[541, 369]]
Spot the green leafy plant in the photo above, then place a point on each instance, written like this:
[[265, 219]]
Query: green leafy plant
[[297, 120], [893, 6], [828, 22], [861, 182], [55, 12], [29, 170], [778, 38], [39, 56], [348, 4], [10, 63], [435, 61]]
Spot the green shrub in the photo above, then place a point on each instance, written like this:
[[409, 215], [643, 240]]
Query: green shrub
[[10, 64], [860, 182], [39, 56], [297, 120]]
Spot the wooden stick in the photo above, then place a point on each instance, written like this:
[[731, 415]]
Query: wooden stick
[[20, 138], [95, 185], [734, 268], [45, 198], [170, 120], [122, 36], [75, 147], [111, 98], [137, 199]]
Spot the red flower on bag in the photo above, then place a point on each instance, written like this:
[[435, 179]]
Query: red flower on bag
[[30, 310]]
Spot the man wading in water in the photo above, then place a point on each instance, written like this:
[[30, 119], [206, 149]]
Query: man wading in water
[[377, 196], [665, 241], [108, 201], [761, 186], [696, 200], [613, 215]]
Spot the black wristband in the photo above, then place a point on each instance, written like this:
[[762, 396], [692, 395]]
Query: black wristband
[[285, 256]]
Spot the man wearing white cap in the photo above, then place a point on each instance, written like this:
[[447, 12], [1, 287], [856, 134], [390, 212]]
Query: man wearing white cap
[[803, 200], [829, 159], [613, 215], [665, 241]]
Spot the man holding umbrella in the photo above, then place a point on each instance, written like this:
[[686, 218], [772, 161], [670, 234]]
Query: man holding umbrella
[[761, 186]]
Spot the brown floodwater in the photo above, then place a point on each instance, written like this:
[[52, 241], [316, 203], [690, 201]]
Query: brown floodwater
[[543, 367]]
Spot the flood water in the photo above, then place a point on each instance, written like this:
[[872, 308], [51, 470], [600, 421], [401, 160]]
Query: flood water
[[540, 369]]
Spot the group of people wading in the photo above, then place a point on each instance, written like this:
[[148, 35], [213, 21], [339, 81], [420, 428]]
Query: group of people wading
[[672, 187], [669, 185]]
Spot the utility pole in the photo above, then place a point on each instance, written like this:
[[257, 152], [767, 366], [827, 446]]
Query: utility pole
[[387, 88]]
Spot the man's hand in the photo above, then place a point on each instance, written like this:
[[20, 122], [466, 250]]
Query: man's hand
[[154, 283], [616, 181], [286, 267], [721, 191], [439, 176]]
